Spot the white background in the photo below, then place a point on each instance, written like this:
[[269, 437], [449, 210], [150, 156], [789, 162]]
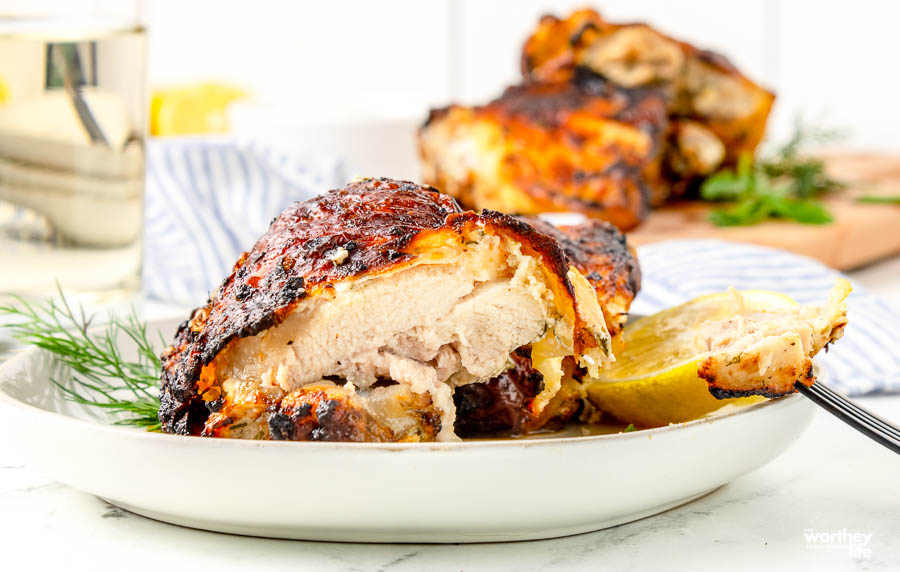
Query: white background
[[831, 59]]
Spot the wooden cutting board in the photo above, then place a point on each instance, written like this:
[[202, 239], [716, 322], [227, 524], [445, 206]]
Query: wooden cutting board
[[860, 234]]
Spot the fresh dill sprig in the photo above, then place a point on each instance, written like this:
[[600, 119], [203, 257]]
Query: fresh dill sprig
[[785, 185], [102, 376]]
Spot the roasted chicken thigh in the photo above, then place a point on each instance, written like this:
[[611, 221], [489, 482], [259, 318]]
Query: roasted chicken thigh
[[701, 87], [611, 119], [582, 146], [360, 311]]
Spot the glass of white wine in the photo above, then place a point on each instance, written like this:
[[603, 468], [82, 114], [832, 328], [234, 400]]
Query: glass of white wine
[[73, 109]]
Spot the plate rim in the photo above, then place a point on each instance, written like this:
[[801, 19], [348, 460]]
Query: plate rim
[[22, 358]]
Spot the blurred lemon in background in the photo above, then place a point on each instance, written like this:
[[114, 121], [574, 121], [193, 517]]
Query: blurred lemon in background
[[193, 110], [4, 91]]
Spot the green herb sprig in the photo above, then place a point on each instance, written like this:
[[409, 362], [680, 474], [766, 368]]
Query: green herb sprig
[[783, 186], [879, 199], [102, 376]]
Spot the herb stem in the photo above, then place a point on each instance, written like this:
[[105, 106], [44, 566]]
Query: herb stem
[[879, 199], [102, 376]]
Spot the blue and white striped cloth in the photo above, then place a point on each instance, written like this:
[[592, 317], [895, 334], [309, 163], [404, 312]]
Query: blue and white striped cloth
[[209, 200]]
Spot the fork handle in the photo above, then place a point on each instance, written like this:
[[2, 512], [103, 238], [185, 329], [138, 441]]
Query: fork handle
[[861, 419]]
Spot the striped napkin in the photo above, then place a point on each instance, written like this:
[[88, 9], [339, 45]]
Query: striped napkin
[[207, 201]]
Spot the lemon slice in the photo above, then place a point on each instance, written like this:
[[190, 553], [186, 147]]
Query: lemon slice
[[5, 92], [654, 381], [192, 110]]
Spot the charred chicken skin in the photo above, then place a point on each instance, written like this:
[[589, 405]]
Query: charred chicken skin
[[582, 146], [360, 311], [724, 111]]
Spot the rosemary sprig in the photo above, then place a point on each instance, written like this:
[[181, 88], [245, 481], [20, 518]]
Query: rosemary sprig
[[103, 377], [784, 185]]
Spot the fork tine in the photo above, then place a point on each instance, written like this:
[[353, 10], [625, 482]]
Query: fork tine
[[884, 424], [863, 421]]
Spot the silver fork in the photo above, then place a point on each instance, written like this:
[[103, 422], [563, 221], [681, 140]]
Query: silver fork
[[853, 415]]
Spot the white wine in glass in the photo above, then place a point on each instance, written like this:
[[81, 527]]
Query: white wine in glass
[[73, 109]]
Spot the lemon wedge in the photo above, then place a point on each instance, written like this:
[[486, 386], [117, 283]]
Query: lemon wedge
[[654, 381], [5, 92], [192, 110]]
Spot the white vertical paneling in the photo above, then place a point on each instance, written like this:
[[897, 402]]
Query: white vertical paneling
[[329, 53], [838, 60], [401, 56], [494, 31]]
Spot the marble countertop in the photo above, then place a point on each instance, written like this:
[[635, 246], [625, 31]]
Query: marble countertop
[[832, 501]]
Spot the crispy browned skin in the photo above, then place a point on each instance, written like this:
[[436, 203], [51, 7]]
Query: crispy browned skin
[[382, 225], [322, 412], [806, 377], [701, 86], [583, 146], [314, 413]]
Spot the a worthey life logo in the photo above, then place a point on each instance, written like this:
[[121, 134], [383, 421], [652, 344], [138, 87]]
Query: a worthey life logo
[[856, 544]]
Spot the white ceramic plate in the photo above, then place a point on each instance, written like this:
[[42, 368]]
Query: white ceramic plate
[[443, 492]]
